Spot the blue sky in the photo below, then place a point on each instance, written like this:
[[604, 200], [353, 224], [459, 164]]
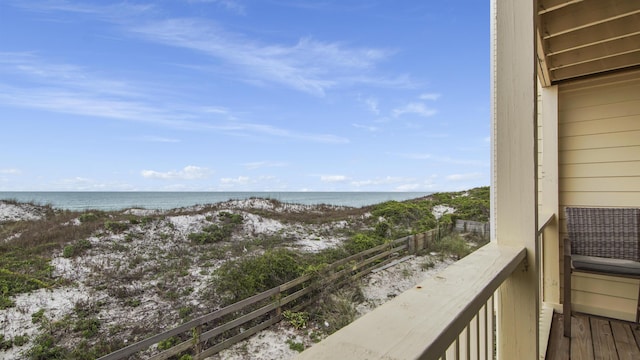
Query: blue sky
[[241, 95]]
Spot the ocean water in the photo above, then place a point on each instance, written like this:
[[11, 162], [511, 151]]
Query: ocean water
[[169, 200]]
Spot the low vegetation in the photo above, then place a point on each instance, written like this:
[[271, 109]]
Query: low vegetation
[[134, 263]]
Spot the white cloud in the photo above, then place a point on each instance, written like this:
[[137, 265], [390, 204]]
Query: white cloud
[[366, 127], [240, 180], [264, 164], [464, 177], [418, 156], [80, 183], [444, 159], [430, 96], [70, 89], [309, 65], [10, 171], [112, 12], [408, 187], [160, 139], [381, 181], [231, 5], [190, 172], [416, 108], [333, 178], [372, 105]]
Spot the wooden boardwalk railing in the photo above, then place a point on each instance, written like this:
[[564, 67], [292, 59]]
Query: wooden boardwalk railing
[[218, 330], [449, 316]]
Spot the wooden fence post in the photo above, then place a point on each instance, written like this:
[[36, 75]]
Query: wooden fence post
[[279, 308], [197, 331], [419, 242], [411, 244]]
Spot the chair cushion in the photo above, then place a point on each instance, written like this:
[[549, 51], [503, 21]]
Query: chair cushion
[[605, 265]]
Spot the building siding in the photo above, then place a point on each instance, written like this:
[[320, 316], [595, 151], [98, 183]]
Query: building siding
[[599, 166]]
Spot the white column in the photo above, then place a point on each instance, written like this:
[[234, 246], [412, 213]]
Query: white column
[[514, 152]]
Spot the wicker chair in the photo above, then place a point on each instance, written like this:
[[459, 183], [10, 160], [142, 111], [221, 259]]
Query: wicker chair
[[602, 241]]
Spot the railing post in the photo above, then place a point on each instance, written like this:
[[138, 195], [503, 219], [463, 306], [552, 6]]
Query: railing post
[[197, 331], [411, 244]]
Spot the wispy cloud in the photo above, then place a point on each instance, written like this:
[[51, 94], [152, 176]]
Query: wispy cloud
[[381, 181], [333, 178], [309, 65], [443, 159], [240, 180], [70, 89], [465, 177], [159, 139], [264, 164], [80, 183], [429, 96], [231, 5], [189, 172], [246, 183], [372, 105], [366, 127], [416, 108], [10, 171], [28, 68], [110, 12]]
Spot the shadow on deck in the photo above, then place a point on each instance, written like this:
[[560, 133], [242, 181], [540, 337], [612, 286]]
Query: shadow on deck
[[594, 337]]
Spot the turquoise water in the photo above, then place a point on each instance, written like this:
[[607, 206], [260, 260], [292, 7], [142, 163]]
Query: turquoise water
[[169, 200]]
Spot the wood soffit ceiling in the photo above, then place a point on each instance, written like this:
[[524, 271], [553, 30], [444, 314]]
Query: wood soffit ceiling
[[577, 38]]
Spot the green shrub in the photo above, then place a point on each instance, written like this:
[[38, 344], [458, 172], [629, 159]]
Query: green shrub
[[87, 217], [12, 283], [5, 344], [45, 348], [21, 340], [116, 226], [404, 218], [297, 319], [185, 312], [76, 249], [168, 343], [6, 302], [229, 218], [338, 309], [296, 346], [361, 242], [38, 317], [250, 275], [215, 233], [453, 245], [88, 327], [211, 234]]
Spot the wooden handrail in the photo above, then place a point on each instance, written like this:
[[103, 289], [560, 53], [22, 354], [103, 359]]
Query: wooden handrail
[[424, 321]]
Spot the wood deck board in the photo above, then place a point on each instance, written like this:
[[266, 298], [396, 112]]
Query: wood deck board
[[558, 348], [594, 337], [625, 341], [603, 345], [581, 341]]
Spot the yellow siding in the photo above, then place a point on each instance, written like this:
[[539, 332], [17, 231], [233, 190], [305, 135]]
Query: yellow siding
[[599, 165]]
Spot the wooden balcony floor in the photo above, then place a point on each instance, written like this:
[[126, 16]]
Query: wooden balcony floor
[[594, 337]]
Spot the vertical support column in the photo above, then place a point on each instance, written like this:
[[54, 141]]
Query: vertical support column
[[549, 202], [514, 161]]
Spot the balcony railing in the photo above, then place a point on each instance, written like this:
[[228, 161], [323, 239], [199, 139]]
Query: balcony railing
[[449, 316]]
